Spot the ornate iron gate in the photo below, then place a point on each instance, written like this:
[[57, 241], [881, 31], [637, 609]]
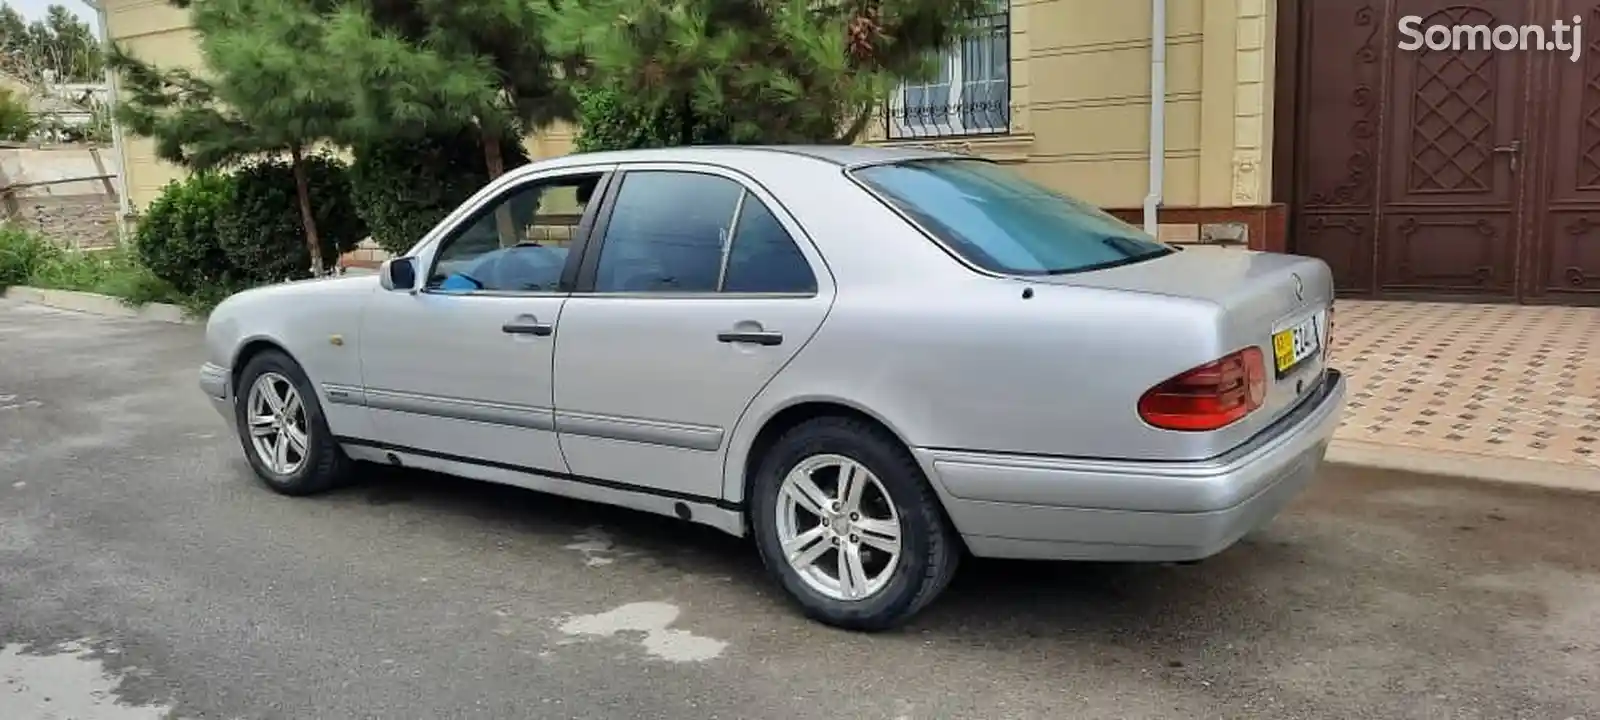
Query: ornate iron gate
[[1468, 173]]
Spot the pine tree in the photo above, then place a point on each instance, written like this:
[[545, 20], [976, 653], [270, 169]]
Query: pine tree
[[437, 67], [761, 71], [268, 89]]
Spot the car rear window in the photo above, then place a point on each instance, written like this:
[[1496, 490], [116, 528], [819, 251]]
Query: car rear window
[[1002, 222]]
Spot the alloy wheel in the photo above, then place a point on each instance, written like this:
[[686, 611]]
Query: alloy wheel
[[838, 528], [277, 423]]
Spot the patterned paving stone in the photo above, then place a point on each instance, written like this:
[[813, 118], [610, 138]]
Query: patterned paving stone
[[1500, 380]]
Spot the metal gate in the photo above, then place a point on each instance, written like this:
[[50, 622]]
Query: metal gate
[[1471, 174]]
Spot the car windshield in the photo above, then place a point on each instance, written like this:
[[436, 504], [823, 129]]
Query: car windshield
[[1004, 223]]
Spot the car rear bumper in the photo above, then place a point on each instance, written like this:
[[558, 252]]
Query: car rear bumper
[[1070, 509], [214, 383]]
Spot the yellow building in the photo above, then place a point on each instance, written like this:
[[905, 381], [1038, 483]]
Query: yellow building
[[1298, 125]]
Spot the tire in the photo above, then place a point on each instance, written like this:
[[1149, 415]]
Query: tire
[[929, 549], [322, 465]]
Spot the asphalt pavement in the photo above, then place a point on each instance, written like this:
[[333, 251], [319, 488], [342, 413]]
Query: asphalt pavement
[[145, 574]]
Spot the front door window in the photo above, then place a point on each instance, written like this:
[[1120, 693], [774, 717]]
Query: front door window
[[517, 244]]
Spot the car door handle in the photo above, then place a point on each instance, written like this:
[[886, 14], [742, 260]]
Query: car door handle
[[528, 328], [755, 337]]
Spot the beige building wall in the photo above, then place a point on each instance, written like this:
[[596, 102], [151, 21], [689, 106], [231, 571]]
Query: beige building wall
[[156, 32], [1080, 85]]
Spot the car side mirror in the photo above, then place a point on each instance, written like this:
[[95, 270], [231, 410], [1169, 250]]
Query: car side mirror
[[398, 274]]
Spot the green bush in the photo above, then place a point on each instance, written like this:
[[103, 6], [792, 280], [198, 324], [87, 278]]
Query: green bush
[[259, 224], [608, 119], [177, 236], [28, 258], [16, 123], [22, 253], [113, 271], [402, 188]]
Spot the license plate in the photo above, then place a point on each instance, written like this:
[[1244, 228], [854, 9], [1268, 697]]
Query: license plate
[[1293, 345]]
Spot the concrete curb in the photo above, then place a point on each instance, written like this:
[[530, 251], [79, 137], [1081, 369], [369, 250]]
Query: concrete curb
[[97, 304], [1465, 466]]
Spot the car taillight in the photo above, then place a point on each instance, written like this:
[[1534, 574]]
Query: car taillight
[[1210, 396]]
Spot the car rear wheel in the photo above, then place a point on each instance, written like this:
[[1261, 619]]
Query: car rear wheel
[[848, 525], [281, 426]]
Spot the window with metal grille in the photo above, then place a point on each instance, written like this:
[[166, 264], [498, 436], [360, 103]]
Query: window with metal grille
[[971, 94]]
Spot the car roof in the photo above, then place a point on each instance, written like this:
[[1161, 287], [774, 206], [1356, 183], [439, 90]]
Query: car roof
[[847, 156]]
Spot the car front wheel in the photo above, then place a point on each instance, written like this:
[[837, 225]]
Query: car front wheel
[[848, 525], [280, 423]]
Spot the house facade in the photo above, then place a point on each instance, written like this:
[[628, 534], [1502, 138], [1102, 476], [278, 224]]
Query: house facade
[[1289, 125]]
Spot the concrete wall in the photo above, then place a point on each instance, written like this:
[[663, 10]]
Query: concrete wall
[[80, 213]]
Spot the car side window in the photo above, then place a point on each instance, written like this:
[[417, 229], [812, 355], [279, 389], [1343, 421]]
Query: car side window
[[666, 233], [519, 243], [764, 258]]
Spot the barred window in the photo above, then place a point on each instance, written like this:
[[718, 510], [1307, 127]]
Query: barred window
[[971, 94]]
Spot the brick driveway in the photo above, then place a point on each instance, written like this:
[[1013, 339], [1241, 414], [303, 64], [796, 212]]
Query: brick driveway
[[1497, 380]]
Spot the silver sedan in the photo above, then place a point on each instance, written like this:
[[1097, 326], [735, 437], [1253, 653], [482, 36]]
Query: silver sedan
[[871, 361]]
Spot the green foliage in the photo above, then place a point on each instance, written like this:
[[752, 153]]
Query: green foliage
[[259, 224], [112, 271], [16, 124], [177, 236], [608, 120], [771, 71], [267, 87], [177, 110], [273, 74], [61, 45], [22, 253], [402, 188], [396, 84], [28, 258], [437, 67]]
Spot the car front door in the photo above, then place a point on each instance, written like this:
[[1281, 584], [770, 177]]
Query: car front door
[[460, 367], [696, 290]]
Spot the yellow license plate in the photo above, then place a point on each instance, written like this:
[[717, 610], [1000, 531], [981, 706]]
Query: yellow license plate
[[1283, 349], [1291, 346]]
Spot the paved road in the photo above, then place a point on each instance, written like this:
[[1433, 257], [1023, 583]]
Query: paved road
[[143, 574]]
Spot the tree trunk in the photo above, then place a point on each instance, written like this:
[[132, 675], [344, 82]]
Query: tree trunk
[[302, 188], [856, 128], [687, 129], [494, 162]]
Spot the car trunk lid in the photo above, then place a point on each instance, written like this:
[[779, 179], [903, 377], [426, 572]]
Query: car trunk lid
[[1261, 296]]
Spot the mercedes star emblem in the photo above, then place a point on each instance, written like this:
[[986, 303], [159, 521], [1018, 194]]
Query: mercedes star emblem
[[1299, 288]]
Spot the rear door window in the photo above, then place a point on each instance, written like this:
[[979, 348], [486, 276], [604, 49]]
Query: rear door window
[[666, 233], [688, 232], [1002, 222], [764, 258]]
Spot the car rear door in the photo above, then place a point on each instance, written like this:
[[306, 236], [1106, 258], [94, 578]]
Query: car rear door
[[695, 289]]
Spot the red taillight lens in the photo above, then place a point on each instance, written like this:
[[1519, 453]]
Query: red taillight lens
[[1210, 396]]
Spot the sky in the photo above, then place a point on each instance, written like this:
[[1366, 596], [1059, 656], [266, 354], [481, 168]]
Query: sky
[[34, 9]]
